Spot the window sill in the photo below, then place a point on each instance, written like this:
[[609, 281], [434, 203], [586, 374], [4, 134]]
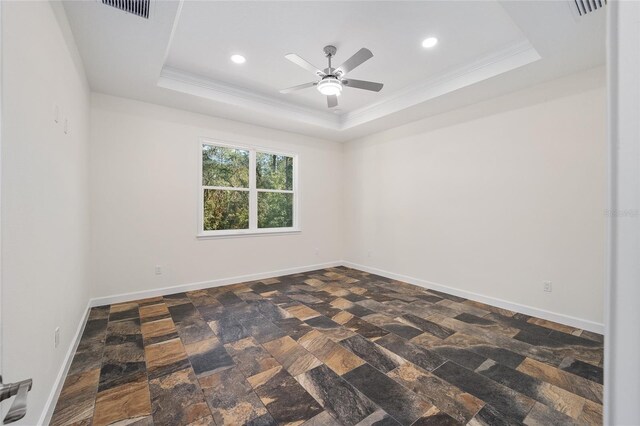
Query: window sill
[[252, 233]]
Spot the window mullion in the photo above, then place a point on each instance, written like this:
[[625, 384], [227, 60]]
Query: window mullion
[[253, 194], [201, 204], [226, 188], [277, 191]]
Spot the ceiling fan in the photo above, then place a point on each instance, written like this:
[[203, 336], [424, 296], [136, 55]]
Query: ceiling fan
[[332, 80]]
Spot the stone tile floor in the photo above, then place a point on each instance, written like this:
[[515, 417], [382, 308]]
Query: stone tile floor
[[329, 347]]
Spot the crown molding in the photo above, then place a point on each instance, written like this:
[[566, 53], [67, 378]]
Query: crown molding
[[192, 84], [509, 58], [513, 56]]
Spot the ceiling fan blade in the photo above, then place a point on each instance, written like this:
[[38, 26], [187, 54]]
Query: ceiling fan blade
[[298, 87], [362, 84], [332, 101], [304, 64], [360, 56]]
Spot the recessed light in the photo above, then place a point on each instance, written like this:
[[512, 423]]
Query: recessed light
[[429, 42], [238, 59]]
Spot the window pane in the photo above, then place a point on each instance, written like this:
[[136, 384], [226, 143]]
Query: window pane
[[274, 171], [225, 167], [226, 209], [275, 210]]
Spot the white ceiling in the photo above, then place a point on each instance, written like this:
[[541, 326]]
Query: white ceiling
[[180, 56], [208, 33]]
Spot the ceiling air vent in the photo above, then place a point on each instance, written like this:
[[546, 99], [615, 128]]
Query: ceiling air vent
[[588, 6], [136, 7]]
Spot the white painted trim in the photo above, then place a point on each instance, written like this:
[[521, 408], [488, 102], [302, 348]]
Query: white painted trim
[[608, 403], [185, 82], [512, 306], [507, 59], [2, 409], [253, 194], [622, 346], [500, 303], [253, 229], [174, 27], [127, 297], [262, 232], [504, 60], [50, 405]]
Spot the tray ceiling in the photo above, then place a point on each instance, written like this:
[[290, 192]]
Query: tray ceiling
[[180, 56]]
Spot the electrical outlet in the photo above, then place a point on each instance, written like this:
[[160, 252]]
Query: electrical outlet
[[547, 286], [56, 337], [158, 270], [317, 251]]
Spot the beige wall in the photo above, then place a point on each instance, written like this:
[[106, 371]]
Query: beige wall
[[144, 193], [492, 205], [45, 202]]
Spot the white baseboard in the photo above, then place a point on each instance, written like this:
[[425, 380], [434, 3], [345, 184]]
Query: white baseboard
[[581, 323], [126, 297], [524, 309], [50, 405]]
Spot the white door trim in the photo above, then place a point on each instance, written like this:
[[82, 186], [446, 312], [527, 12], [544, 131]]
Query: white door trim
[[622, 300], [2, 409]]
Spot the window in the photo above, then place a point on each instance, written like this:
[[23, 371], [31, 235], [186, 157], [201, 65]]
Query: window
[[246, 190]]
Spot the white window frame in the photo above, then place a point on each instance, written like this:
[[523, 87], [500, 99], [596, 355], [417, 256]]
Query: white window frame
[[253, 229]]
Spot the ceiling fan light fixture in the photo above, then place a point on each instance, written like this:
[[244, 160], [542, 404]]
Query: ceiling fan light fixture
[[331, 79], [330, 86]]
